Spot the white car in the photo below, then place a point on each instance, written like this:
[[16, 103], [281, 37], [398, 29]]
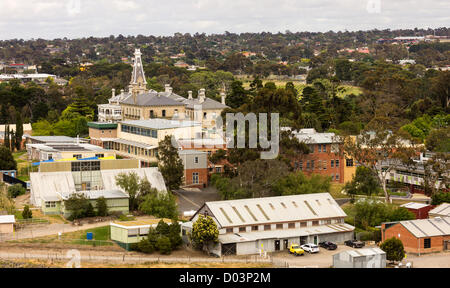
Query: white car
[[310, 248]]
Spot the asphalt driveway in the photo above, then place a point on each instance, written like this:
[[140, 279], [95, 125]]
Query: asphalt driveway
[[193, 199]]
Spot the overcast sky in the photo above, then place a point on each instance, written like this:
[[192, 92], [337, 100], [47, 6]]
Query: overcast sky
[[51, 19]]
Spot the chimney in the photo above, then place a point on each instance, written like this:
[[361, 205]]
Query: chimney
[[113, 93], [167, 88], [122, 94], [223, 96], [190, 95], [201, 95]]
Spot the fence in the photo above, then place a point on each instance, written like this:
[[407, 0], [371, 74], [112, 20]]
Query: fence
[[11, 180], [135, 259], [32, 221]]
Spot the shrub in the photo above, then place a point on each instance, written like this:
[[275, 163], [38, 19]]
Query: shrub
[[27, 213], [102, 207], [439, 198], [163, 228], [78, 206], [174, 234], [164, 246], [145, 246], [394, 249], [159, 205], [16, 190]]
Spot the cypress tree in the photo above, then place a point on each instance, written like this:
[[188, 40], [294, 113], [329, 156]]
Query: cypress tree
[[6, 142], [19, 131]]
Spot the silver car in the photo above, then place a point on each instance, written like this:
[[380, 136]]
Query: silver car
[[310, 248]]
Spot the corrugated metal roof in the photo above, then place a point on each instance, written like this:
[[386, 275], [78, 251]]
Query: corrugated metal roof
[[414, 205], [161, 123], [428, 227], [146, 223], [310, 136], [364, 252], [283, 233], [95, 194], [441, 210], [6, 219], [276, 209], [52, 185]]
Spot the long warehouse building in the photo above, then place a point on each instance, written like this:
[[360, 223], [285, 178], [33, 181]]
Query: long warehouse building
[[249, 226]]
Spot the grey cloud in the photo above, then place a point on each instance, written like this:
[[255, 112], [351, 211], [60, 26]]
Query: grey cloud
[[56, 18]]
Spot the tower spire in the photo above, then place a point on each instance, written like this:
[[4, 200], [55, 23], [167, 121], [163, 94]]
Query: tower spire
[[138, 83]]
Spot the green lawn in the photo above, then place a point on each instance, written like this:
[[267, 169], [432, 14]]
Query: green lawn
[[100, 233], [335, 190]]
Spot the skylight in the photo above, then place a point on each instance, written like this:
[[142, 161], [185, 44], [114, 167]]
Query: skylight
[[250, 212], [310, 208], [226, 216], [263, 212], [239, 214]]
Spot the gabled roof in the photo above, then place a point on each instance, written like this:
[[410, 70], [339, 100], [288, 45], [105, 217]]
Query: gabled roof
[[414, 205], [275, 209], [442, 210], [428, 227]]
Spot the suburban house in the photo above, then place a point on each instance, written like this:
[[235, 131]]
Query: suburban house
[[57, 181], [7, 224], [420, 210], [420, 236], [325, 156], [126, 233], [442, 210], [195, 168], [249, 226]]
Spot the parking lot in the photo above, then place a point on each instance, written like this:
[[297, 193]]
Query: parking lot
[[323, 259]]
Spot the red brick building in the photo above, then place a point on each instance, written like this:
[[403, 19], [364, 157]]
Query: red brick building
[[325, 156], [195, 168], [420, 210], [420, 236], [101, 130]]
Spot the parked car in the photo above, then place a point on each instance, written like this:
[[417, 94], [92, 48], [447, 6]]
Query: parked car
[[328, 245], [354, 243], [296, 250], [310, 248]]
